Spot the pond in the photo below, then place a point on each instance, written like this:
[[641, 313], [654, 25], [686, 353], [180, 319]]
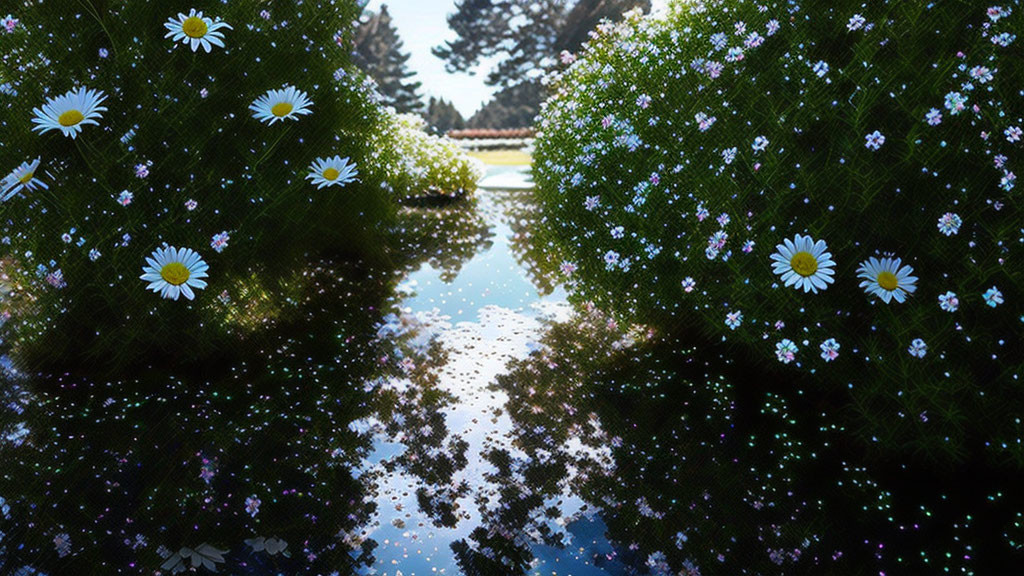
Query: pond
[[457, 415]]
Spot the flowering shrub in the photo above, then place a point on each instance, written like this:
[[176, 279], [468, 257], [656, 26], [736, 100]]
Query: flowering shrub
[[182, 147], [831, 189], [425, 162]]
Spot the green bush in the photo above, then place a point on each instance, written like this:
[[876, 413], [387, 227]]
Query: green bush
[[679, 152], [177, 158], [428, 164]]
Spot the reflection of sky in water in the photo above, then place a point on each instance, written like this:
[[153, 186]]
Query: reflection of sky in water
[[490, 278], [490, 314]]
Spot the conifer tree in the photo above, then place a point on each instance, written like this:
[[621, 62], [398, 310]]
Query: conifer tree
[[442, 116], [378, 52], [526, 36]]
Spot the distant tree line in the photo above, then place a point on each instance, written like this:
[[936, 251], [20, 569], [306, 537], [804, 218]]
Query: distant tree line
[[442, 116]]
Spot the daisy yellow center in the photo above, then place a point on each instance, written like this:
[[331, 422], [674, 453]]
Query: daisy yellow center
[[887, 280], [70, 118], [804, 264], [282, 109], [175, 273], [331, 174], [194, 27], [27, 177]]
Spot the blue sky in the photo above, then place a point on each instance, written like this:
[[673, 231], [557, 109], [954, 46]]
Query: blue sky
[[422, 25]]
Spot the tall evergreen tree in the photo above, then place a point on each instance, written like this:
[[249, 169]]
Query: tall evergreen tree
[[378, 52], [442, 116], [523, 34]]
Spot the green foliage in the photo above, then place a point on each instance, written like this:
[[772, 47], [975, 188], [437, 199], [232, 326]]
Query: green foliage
[[524, 35], [674, 143], [512, 107], [177, 159], [183, 115], [413, 163]]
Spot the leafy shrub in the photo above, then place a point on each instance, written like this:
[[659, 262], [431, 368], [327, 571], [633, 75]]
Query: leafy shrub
[[426, 163], [180, 156], [680, 153]]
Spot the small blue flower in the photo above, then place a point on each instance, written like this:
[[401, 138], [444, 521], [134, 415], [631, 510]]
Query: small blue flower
[[734, 319], [993, 297], [785, 350], [949, 223], [918, 348], [874, 140], [949, 302], [829, 350]]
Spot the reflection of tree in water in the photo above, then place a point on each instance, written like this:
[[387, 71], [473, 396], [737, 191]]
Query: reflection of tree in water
[[444, 237], [695, 473], [410, 407], [244, 459], [250, 453], [531, 248], [254, 446]]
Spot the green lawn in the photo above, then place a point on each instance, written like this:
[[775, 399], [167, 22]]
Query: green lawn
[[503, 157]]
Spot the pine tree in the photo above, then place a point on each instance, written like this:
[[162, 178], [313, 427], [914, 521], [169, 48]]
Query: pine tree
[[442, 116], [526, 36], [378, 52]]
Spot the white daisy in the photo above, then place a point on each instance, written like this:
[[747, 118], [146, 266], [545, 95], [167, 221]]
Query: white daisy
[[280, 104], [804, 263], [23, 178], [887, 279], [334, 171], [175, 271], [196, 30], [68, 113]]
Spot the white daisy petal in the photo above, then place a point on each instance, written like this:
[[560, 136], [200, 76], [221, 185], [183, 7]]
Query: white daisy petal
[[887, 279], [279, 105], [173, 272], [195, 31], [68, 113], [334, 171], [23, 178], [803, 263]]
